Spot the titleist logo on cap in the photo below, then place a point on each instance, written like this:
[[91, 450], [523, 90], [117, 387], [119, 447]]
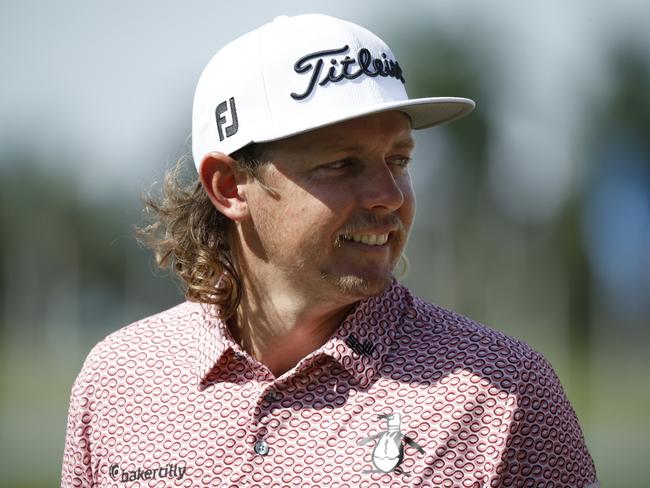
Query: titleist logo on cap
[[343, 69]]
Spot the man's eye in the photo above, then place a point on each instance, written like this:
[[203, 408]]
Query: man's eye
[[338, 164], [401, 161]]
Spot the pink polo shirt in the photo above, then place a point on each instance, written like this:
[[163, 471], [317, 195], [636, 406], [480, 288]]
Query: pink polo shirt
[[405, 393]]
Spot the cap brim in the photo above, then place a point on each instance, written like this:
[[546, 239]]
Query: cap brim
[[424, 112], [427, 112]]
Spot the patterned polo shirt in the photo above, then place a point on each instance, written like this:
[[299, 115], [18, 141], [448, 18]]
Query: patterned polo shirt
[[404, 393]]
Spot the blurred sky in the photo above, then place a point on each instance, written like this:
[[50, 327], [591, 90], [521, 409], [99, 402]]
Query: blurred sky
[[108, 85]]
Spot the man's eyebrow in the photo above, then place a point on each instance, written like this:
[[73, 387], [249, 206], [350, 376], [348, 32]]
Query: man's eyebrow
[[406, 143]]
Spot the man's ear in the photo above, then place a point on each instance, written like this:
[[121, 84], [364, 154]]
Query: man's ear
[[221, 179]]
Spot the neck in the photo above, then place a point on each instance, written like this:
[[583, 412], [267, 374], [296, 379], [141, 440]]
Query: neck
[[279, 328]]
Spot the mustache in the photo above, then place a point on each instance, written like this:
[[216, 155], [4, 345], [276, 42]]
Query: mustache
[[368, 221]]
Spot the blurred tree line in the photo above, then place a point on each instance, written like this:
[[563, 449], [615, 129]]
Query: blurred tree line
[[66, 258]]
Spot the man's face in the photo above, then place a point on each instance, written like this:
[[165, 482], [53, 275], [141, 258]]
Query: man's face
[[341, 210]]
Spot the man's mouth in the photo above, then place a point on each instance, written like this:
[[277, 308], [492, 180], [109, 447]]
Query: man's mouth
[[369, 239]]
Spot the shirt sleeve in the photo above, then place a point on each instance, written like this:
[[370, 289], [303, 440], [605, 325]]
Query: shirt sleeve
[[77, 470], [545, 445]]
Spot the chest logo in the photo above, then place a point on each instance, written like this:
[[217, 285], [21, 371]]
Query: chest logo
[[388, 453], [168, 471]]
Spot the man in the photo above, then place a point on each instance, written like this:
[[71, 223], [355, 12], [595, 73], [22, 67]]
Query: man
[[298, 360]]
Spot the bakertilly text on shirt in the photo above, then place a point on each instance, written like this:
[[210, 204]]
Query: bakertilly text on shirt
[[168, 471]]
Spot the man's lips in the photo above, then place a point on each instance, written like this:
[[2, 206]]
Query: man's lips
[[376, 236], [371, 239]]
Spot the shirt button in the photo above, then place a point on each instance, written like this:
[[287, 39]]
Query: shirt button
[[261, 448], [272, 396]]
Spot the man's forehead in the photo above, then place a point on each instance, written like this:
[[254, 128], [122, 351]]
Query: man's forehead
[[404, 142], [390, 129]]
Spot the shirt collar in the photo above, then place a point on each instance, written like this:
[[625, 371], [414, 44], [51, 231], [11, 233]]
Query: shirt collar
[[367, 334], [359, 344], [213, 341]]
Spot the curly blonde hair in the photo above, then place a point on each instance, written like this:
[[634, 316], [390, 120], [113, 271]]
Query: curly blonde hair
[[190, 237]]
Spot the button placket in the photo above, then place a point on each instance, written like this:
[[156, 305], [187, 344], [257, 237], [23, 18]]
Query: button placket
[[259, 418], [259, 436]]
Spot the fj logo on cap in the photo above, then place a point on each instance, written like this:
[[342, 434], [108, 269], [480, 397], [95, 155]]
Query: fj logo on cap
[[343, 69], [220, 112]]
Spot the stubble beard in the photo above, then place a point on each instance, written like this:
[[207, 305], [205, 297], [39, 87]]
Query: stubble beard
[[359, 287], [356, 286]]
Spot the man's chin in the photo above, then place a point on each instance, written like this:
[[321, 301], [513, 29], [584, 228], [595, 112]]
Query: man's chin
[[363, 287]]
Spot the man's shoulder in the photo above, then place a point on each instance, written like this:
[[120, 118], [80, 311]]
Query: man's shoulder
[[432, 333], [163, 334]]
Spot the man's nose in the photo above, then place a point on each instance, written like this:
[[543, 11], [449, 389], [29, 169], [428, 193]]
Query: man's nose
[[380, 190]]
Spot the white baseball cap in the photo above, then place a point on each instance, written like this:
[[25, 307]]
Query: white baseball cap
[[296, 74]]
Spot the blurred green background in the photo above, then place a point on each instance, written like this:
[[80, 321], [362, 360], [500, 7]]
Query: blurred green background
[[533, 212]]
